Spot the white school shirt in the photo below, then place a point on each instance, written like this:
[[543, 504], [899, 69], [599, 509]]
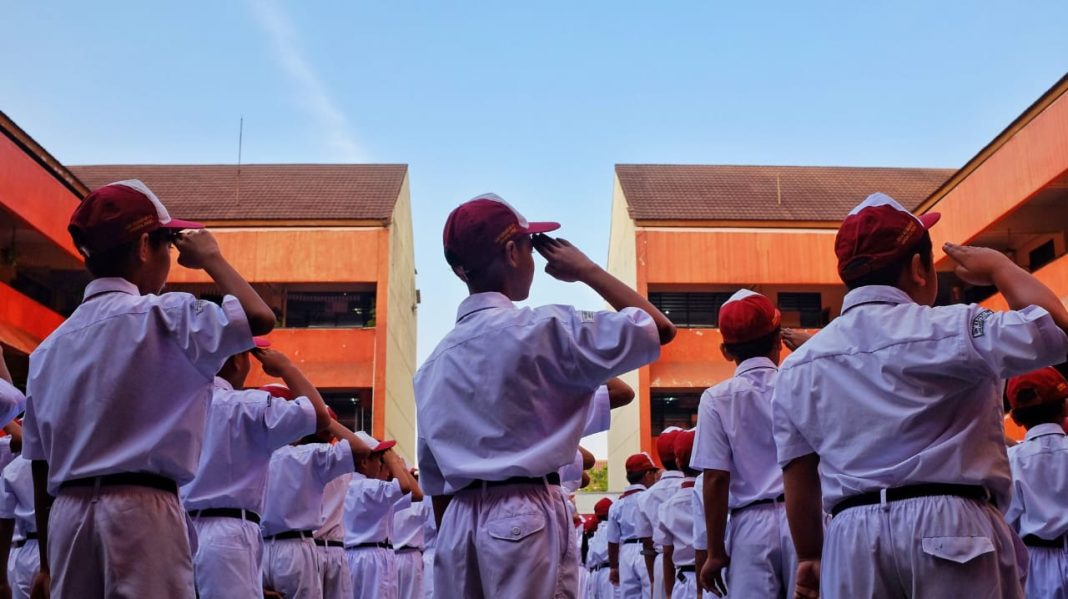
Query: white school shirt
[[244, 428], [508, 391], [12, 401], [16, 494], [600, 417], [735, 434], [333, 527], [124, 384], [1040, 483], [430, 527], [674, 525], [408, 526], [296, 478], [369, 507], [5, 451], [697, 502], [625, 519], [651, 500], [597, 548], [892, 393]]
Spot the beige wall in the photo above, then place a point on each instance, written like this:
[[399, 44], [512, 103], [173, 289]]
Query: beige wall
[[401, 329], [624, 438]]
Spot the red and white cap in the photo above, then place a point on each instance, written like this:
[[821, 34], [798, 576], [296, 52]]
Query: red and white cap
[[375, 445], [478, 228], [665, 443], [640, 462], [746, 316], [600, 509], [119, 213], [876, 233], [1042, 386], [684, 447]]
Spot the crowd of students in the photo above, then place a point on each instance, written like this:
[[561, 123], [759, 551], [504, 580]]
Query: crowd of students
[[870, 462]]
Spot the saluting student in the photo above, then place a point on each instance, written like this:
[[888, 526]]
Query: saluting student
[[650, 501], [890, 418], [409, 534], [630, 543], [519, 381], [675, 528]]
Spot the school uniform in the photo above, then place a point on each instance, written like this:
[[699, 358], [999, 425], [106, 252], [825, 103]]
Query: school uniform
[[891, 395], [12, 402], [369, 509], [293, 500], [625, 527], [1038, 512], [16, 503], [6, 455], [598, 586], [697, 502], [408, 545], [430, 536], [675, 528], [330, 540], [520, 382], [118, 397], [225, 498], [650, 503], [735, 435]]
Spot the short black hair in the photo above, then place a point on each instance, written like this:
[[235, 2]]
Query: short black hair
[[635, 477], [889, 274], [1043, 413], [761, 346], [115, 262]]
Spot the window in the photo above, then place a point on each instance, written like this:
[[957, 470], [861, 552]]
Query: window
[[329, 309], [674, 409], [691, 309], [1041, 256], [804, 310], [353, 408]]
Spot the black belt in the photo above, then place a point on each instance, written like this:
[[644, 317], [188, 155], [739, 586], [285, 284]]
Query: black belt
[[379, 544], [1033, 541], [682, 570], [910, 492], [629, 541], [781, 498], [329, 543], [291, 534], [225, 512], [553, 478], [137, 479], [409, 550], [30, 536], [599, 566]]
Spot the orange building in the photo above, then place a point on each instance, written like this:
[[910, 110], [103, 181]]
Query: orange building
[[689, 236]]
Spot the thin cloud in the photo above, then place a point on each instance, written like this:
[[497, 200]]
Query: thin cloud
[[290, 56]]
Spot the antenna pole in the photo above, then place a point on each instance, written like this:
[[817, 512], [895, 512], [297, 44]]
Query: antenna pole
[[240, 139]]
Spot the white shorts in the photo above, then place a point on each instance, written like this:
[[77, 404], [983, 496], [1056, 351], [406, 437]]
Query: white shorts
[[228, 557], [22, 566], [763, 561], [291, 567], [334, 568], [373, 571]]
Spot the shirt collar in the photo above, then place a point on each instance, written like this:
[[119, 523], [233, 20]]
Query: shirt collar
[[1050, 428], [670, 474], [482, 301], [108, 285], [874, 294], [753, 364], [221, 383], [635, 487]]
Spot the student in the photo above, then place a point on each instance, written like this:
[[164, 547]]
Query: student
[[19, 558], [893, 414], [597, 554], [225, 498], [700, 533], [330, 538], [12, 401], [650, 502], [408, 544], [630, 543], [293, 502], [1039, 509], [118, 397], [519, 381], [675, 527], [430, 534], [736, 449], [381, 485]]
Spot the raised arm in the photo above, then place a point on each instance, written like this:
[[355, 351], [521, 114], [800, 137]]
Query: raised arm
[[275, 363], [344, 435]]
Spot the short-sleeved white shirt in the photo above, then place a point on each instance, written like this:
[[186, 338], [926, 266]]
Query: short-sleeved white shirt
[[571, 475], [333, 527], [408, 526], [625, 519], [1040, 483], [296, 478], [369, 507], [734, 433], [651, 500], [892, 393], [244, 428], [600, 418], [16, 494], [12, 401], [124, 384], [508, 391], [700, 529], [5, 451], [597, 548], [674, 525]]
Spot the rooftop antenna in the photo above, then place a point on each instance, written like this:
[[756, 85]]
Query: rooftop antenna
[[240, 136], [778, 190]]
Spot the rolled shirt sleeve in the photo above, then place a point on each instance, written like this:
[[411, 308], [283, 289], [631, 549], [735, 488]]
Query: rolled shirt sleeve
[[600, 417], [12, 401], [790, 444], [286, 421], [207, 333], [1016, 342], [331, 461], [711, 448], [607, 344]]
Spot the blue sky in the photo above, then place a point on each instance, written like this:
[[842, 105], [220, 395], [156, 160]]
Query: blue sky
[[535, 101]]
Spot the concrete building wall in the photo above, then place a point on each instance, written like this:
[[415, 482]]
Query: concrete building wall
[[401, 333]]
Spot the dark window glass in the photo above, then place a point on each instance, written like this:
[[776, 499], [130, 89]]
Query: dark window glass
[[1041, 256], [674, 409], [353, 408], [329, 309], [691, 309], [804, 310]]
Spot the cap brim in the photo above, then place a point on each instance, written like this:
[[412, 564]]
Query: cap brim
[[177, 223], [261, 342], [384, 445], [930, 219], [542, 227]]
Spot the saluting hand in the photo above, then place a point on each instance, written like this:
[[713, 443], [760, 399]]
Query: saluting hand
[[196, 247], [793, 338], [565, 261], [977, 265], [274, 362]]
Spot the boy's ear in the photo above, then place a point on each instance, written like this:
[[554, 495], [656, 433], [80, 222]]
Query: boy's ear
[[726, 353], [144, 249]]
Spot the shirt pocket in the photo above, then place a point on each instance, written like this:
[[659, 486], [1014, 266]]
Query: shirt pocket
[[515, 528], [957, 549]]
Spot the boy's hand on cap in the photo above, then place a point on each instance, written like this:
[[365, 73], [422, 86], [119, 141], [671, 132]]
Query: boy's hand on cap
[[794, 338], [196, 248], [565, 261], [977, 265], [274, 362]]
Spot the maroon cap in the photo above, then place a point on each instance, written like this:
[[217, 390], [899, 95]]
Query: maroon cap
[[684, 447], [119, 213], [261, 342], [877, 233], [747, 316], [640, 462], [1045, 385], [281, 391], [478, 228], [600, 509], [665, 444]]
